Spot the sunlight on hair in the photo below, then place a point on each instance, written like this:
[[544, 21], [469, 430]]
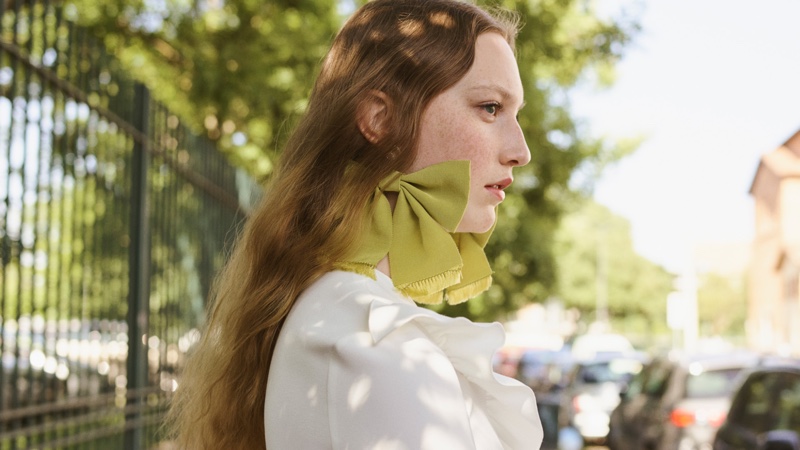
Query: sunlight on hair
[[376, 35], [442, 19], [411, 28]]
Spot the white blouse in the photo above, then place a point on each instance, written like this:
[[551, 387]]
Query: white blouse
[[359, 366]]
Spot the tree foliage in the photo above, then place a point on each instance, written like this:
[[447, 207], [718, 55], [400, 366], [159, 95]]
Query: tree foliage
[[596, 259], [241, 70], [238, 70], [721, 305], [560, 42]]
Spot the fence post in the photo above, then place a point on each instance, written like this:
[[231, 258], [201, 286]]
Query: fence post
[[139, 291]]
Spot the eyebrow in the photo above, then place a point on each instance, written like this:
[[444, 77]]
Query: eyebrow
[[497, 88]]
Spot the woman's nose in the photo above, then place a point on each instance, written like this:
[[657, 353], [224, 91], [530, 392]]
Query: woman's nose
[[516, 149]]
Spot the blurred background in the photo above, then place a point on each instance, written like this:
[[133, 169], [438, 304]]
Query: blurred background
[[658, 222]]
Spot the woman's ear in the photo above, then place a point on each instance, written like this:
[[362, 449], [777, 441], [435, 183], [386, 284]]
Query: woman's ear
[[373, 115]]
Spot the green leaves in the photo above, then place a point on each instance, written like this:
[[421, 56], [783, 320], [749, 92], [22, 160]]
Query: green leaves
[[240, 71], [598, 267], [560, 42], [230, 67], [722, 305]]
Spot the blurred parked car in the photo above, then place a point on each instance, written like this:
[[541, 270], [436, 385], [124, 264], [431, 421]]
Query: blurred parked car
[[764, 412], [542, 369], [592, 391], [677, 403], [505, 362], [594, 344]]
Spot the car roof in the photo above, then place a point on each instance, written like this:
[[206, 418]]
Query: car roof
[[779, 362], [702, 362], [782, 367], [612, 356], [587, 345]]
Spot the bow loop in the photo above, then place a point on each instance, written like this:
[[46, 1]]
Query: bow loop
[[429, 262]]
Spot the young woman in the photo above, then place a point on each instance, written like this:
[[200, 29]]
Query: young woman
[[386, 194]]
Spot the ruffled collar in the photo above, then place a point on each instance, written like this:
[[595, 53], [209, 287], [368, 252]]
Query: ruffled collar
[[429, 261], [510, 405]]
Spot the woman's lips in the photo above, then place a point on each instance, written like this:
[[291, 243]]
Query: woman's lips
[[496, 189]]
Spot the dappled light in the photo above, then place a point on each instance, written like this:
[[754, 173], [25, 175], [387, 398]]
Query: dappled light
[[358, 394], [133, 146], [91, 334], [414, 377], [411, 28]]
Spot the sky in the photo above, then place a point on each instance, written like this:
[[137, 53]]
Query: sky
[[711, 85]]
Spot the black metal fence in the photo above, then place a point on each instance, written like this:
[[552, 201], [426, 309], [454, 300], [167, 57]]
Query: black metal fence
[[113, 219]]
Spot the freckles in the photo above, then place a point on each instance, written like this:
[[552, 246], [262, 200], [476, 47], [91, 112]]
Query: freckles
[[461, 137], [452, 139], [453, 130]]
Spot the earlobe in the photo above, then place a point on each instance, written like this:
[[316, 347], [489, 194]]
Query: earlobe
[[373, 115]]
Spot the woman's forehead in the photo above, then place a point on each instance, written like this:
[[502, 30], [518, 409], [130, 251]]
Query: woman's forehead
[[494, 70]]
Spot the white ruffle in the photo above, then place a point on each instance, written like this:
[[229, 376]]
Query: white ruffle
[[509, 404]]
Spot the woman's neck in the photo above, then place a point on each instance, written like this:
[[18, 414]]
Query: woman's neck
[[383, 264]]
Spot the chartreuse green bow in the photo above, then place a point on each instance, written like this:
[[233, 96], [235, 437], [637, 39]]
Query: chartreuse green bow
[[429, 261]]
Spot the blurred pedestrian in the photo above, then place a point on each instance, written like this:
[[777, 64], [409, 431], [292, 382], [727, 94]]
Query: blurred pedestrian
[[385, 195]]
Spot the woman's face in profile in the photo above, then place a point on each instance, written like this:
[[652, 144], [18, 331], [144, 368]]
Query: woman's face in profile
[[476, 120]]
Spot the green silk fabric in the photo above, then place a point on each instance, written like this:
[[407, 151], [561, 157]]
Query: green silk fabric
[[428, 260]]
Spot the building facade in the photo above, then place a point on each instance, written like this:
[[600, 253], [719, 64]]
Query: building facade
[[774, 279]]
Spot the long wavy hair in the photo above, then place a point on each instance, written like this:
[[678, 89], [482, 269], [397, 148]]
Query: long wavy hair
[[410, 50]]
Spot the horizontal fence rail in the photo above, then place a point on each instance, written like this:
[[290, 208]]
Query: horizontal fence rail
[[114, 217]]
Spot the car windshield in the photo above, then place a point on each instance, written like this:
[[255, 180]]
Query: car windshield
[[712, 383], [768, 401]]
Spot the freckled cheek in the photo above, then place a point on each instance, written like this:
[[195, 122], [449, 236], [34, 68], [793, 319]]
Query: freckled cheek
[[465, 143], [452, 142], [455, 135]]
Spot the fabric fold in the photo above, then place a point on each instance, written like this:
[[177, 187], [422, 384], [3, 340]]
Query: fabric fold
[[470, 347], [429, 261]]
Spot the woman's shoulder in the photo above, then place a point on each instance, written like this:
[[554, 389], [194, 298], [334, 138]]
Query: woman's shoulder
[[342, 289], [348, 301], [338, 304]]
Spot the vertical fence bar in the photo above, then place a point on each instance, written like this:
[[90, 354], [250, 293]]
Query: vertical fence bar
[[17, 208], [106, 199], [139, 291], [6, 107]]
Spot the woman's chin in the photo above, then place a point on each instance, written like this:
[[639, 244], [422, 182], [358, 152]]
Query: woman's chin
[[476, 225]]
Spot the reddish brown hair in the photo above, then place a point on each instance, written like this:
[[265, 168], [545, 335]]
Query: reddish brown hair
[[410, 50]]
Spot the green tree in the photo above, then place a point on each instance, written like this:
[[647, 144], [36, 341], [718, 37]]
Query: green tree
[[721, 305], [240, 70], [237, 70], [596, 260], [560, 42]]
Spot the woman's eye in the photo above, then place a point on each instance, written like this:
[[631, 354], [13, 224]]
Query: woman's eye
[[491, 108]]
